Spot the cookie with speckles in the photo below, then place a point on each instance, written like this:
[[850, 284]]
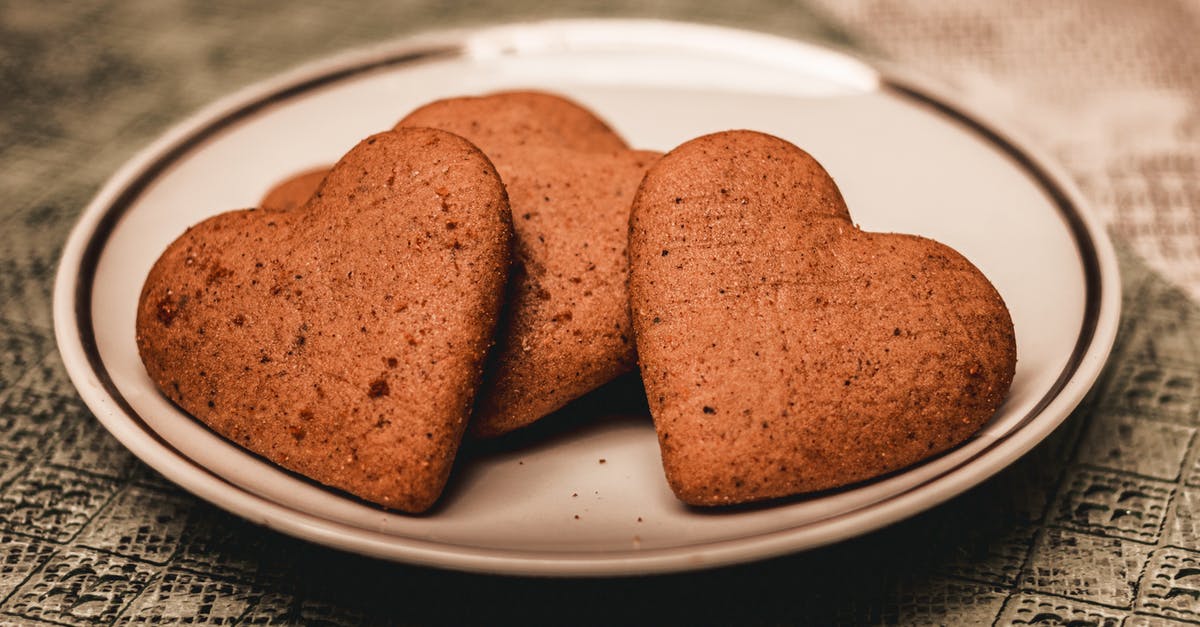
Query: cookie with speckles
[[345, 340], [783, 349], [507, 122], [499, 123], [567, 329], [570, 182]]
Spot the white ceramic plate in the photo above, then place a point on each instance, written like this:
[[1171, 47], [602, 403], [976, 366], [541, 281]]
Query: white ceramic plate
[[907, 159]]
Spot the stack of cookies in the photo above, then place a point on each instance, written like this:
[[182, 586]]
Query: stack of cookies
[[492, 258]]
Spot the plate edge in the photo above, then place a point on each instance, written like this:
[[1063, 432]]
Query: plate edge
[[82, 247]]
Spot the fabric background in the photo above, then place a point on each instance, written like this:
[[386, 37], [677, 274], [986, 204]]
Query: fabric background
[[1098, 525]]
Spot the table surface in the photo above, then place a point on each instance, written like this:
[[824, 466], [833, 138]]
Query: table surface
[[1099, 525]]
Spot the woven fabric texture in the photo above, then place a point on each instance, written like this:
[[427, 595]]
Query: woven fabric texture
[[1099, 525]]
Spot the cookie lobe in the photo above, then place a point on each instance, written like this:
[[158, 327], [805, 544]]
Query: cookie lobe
[[506, 122], [499, 123], [292, 192]]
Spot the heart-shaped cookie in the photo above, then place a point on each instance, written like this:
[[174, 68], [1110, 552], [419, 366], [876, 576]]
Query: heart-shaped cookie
[[344, 340], [567, 329], [784, 350], [570, 181]]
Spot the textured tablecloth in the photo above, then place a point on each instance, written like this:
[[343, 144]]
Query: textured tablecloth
[[1098, 525]]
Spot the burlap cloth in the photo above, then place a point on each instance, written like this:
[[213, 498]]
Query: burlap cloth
[[1098, 525]]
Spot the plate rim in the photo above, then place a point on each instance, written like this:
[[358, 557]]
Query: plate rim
[[76, 338]]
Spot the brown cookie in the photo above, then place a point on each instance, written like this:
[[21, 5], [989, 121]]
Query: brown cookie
[[508, 121], [567, 328], [497, 123], [570, 182], [293, 191], [784, 350], [345, 341]]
